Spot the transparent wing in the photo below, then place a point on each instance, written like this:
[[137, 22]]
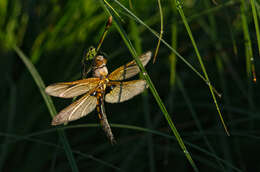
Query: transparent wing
[[130, 69], [72, 89], [76, 110], [125, 91]]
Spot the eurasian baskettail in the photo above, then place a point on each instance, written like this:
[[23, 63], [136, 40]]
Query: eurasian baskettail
[[101, 87]]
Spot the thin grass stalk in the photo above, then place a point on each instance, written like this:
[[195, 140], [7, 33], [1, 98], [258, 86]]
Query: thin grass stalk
[[247, 41], [3, 12], [257, 4], [214, 37], [196, 119], [248, 53], [151, 86], [161, 31], [230, 29], [172, 65], [131, 127], [168, 45], [220, 67], [50, 105], [58, 147], [252, 2], [201, 63], [212, 10], [225, 58], [250, 67], [172, 57]]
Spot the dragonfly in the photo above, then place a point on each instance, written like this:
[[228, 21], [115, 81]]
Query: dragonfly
[[101, 87]]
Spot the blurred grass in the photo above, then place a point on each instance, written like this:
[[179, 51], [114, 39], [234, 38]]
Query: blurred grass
[[50, 106], [55, 34]]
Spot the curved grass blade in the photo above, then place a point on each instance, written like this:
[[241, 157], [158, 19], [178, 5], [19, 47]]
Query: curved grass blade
[[161, 32], [151, 86], [250, 66], [252, 2], [49, 104], [123, 126], [167, 45], [108, 24], [50, 144], [178, 4], [141, 129]]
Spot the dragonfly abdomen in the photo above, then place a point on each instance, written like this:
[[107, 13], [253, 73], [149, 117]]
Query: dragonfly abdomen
[[103, 118]]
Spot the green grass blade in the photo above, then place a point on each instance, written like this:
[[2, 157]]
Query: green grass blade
[[225, 4], [50, 144], [151, 86], [155, 132], [49, 104], [247, 39], [201, 63], [214, 35], [250, 66], [172, 57], [252, 2], [161, 32], [167, 45]]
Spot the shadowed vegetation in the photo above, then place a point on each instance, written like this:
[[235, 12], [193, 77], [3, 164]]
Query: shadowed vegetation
[[43, 42]]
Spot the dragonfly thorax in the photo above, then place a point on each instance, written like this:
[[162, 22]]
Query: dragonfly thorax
[[100, 68]]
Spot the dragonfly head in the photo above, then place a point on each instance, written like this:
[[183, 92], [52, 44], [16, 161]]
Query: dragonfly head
[[100, 68], [100, 61]]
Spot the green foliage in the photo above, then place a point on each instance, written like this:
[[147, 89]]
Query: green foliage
[[53, 36]]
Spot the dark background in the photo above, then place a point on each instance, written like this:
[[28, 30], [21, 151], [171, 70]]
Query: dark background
[[55, 34]]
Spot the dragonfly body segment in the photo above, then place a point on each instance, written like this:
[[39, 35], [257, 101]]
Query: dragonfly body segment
[[95, 91]]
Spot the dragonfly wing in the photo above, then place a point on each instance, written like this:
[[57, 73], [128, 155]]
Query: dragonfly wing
[[125, 91], [72, 89], [130, 69], [76, 110]]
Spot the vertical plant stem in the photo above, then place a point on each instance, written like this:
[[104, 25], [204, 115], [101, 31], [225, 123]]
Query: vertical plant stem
[[201, 63], [252, 2], [250, 67], [161, 31], [151, 85], [214, 37], [167, 45]]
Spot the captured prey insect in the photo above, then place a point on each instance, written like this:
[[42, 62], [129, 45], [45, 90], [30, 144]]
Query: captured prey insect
[[101, 87]]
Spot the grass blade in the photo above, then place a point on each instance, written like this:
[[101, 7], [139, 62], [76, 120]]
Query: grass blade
[[151, 86], [201, 63], [161, 32], [252, 2], [49, 104], [167, 45]]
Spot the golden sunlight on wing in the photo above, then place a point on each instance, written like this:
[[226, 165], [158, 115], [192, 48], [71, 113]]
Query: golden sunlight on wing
[[72, 89], [76, 110], [125, 91], [130, 69]]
